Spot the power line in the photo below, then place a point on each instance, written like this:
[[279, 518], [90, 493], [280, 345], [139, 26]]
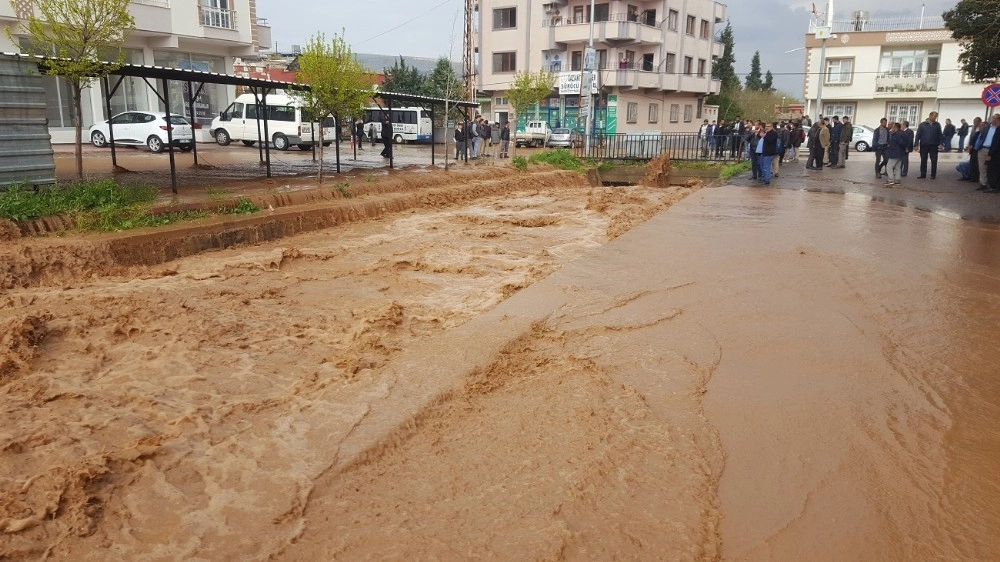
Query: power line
[[409, 21]]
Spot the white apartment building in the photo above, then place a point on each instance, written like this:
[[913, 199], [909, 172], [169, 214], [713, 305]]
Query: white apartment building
[[202, 35], [654, 59], [901, 69]]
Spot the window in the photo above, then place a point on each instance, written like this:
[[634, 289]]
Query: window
[[500, 101], [216, 13], [505, 18], [675, 112], [672, 17], [706, 29], [602, 12], [281, 113], [701, 68], [896, 112], [602, 59], [689, 29], [650, 17], [671, 63], [633, 112], [576, 60], [647, 62], [654, 112], [909, 62], [841, 109], [504, 62], [688, 113], [688, 62], [839, 71]]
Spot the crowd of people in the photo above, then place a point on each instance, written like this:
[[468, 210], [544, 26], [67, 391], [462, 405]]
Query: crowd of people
[[476, 138], [827, 143]]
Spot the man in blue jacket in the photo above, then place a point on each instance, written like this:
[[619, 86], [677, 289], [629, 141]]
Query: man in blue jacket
[[929, 138]]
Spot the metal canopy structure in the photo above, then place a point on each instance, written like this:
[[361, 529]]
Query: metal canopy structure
[[196, 80]]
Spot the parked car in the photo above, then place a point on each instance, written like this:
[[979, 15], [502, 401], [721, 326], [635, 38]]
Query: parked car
[[862, 138], [535, 133], [137, 128], [564, 137]]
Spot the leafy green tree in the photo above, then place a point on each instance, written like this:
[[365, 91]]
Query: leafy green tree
[[528, 88], [339, 84], [976, 25], [768, 85], [403, 79], [78, 34], [442, 82], [753, 80]]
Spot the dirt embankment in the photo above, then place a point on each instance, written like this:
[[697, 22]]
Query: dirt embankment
[[169, 403]]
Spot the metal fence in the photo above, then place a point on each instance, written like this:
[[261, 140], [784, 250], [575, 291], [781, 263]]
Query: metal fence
[[680, 146]]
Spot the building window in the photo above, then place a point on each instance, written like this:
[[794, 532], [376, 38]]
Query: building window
[[840, 109], [504, 62], [896, 112], [500, 101], [216, 13], [706, 29], [654, 112], [602, 59], [602, 12], [672, 17], [688, 62], [909, 62], [701, 68], [688, 113], [839, 71], [505, 18], [633, 112], [675, 112], [671, 63], [576, 60], [689, 29]]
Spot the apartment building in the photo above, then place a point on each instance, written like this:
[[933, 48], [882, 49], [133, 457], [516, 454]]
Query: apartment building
[[205, 35], [899, 68], [654, 59]]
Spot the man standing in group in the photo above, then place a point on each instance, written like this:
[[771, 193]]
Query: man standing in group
[[963, 131], [386, 138], [929, 137], [907, 132], [720, 138], [846, 136], [460, 138], [881, 141], [977, 128], [991, 145], [949, 134], [703, 134], [819, 143], [505, 139], [834, 152]]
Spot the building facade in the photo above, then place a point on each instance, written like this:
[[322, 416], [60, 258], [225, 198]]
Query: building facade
[[900, 69], [205, 35], [653, 59]]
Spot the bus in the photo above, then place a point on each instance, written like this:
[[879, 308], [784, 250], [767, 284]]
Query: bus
[[409, 124]]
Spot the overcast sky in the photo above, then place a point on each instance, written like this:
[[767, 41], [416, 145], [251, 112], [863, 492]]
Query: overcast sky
[[433, 28]]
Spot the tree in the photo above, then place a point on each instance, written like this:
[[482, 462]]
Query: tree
[[339, 84], [528, 88], [442, 82], [753, 80], [78, 33], [403, 79], [763, 105], [768, 85], [723, 69], [976, 25]]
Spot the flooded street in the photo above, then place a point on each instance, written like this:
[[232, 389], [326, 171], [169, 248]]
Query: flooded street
[[554, 373]]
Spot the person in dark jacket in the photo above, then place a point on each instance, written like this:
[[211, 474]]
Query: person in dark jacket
[[993, 154], [899, 145], [460, 151], [973, 152], [386, 137], [359, 134], [505, 140], [768, 153], [929, 138], [963, 132], [906, 130], [880, 139], [834, 150], [949, 134]]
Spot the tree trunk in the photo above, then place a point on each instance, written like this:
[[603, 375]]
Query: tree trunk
[[321, 136], [78, 118]]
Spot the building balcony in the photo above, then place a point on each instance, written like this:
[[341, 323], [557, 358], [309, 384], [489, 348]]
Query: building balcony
[[864, 23], [217, 18], [905, 85], [151, 16], [617, 29], [629, 79]]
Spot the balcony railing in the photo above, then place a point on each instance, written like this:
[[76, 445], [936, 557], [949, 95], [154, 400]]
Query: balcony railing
[[641, 19], [888, 24], [899, 83], [218, 17]]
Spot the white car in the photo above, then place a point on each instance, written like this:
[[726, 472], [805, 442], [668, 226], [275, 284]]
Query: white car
[[137, 128], [862, 138]]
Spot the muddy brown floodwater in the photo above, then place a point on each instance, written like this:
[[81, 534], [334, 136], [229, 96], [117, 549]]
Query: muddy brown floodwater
[[558, 373]]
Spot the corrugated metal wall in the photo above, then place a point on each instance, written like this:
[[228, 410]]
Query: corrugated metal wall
[[25, 144]]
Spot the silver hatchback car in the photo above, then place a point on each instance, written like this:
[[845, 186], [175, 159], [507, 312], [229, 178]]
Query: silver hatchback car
[[564, 137]]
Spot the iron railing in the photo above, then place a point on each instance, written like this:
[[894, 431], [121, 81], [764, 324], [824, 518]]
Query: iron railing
[[905, 23], [218, 17], [644, 18], [680, 146]]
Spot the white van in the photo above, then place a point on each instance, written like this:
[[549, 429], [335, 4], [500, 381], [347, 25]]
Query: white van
[[288, 123]]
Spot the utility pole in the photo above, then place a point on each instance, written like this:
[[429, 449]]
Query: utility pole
[[468, 62], [588, 76], [823, 33]]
